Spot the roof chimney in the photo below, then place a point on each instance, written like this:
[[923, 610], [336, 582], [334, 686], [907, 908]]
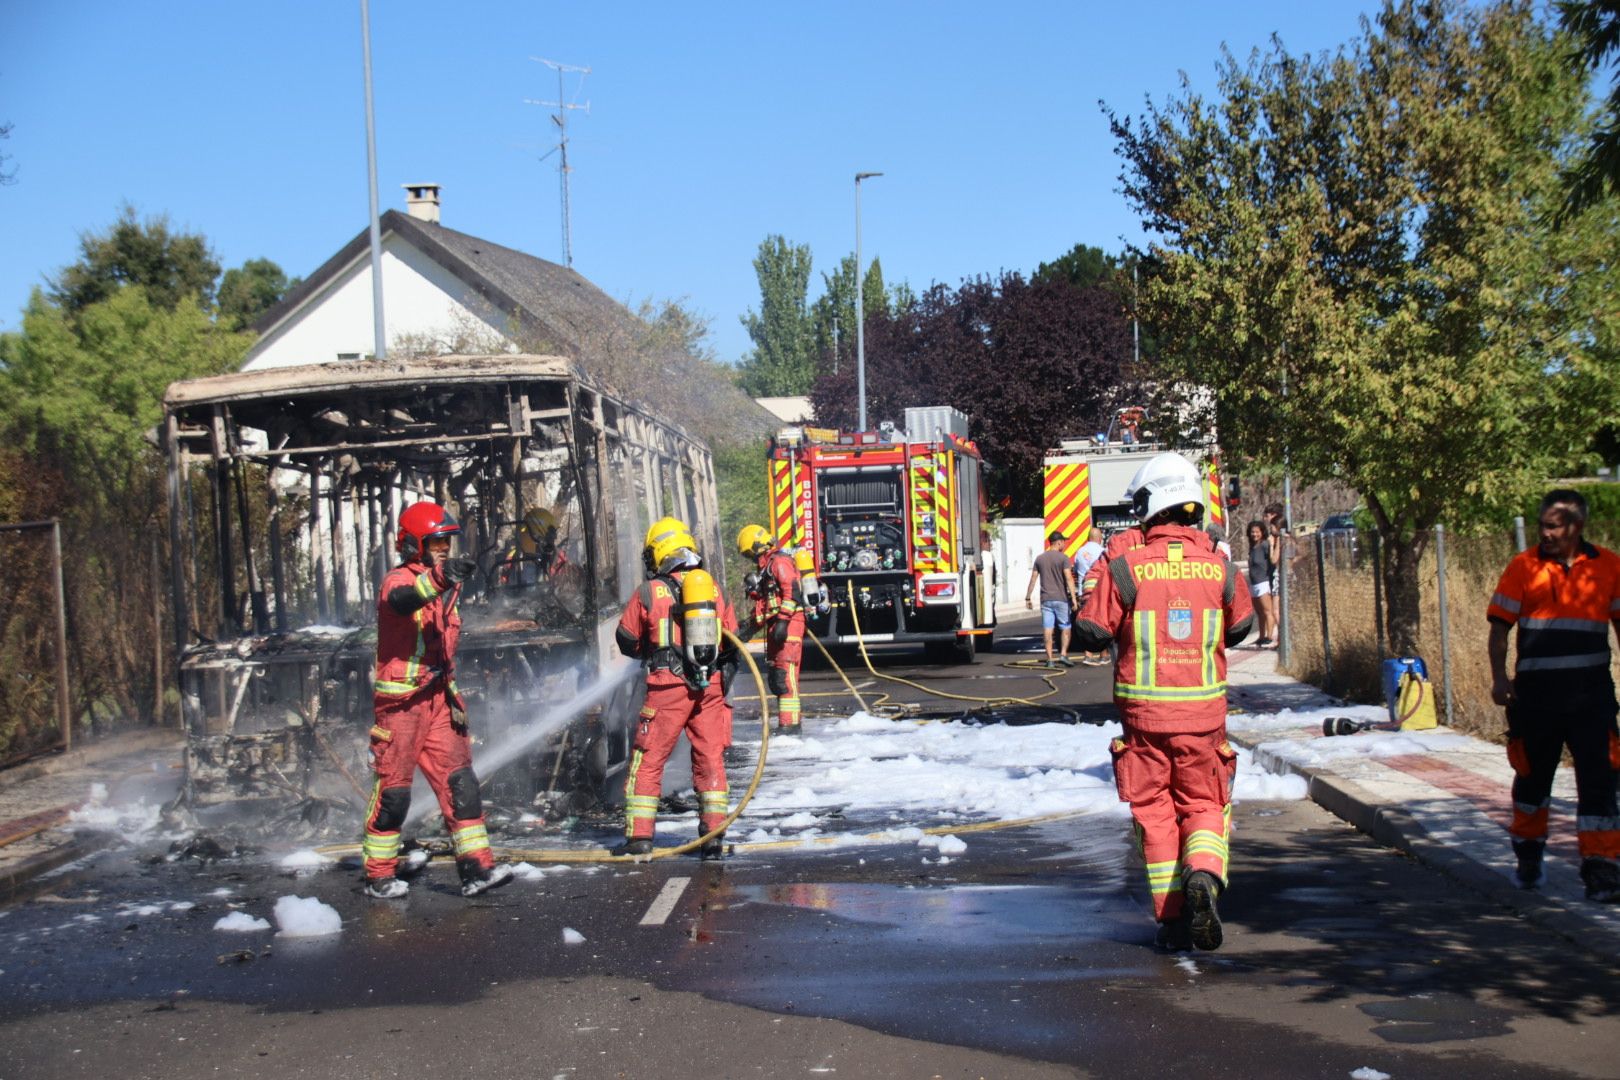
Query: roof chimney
[[422, 201]]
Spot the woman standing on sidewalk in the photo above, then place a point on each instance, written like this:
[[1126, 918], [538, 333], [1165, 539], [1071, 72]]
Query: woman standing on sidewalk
[[1262, 560]]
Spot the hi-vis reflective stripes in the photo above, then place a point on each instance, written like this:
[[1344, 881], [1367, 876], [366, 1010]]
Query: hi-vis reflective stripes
[[470, 839], [1146, 686], [1164, 877], [1068, 504]]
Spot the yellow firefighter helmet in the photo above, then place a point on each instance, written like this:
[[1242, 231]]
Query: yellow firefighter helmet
[[752, 540]]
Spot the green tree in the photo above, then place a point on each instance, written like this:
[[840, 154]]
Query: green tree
[[1081, 265], [79, 393], [169, 265], [832, 316], [248, 291], [1351, 258], [1593, 27], [780, 362]]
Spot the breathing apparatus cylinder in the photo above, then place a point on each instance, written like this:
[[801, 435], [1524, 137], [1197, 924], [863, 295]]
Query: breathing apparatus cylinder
[[809, 582], [700, 625]]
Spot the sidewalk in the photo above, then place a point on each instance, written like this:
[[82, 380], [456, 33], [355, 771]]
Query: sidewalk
[[1440, 796], [37, 798]]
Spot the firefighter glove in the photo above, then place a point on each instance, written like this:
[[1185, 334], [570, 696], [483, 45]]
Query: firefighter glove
[[459, 569], [777, 633], [778, 681], [747, 629]]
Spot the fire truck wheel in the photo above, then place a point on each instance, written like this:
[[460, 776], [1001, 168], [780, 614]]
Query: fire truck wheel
[[965, 648]]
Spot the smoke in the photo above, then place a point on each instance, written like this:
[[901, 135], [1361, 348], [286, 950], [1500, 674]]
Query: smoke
[[521, 737]]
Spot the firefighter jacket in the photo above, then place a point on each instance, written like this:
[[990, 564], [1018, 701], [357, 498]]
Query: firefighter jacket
[[1563, 616], [650, 630], [418, 627], [1125, 540], [779, 595], [1174, 605]]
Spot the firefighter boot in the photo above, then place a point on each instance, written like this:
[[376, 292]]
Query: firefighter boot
[[1529, 853], [387, 888], [790, 729], [634, 847], [714, 850], [1175, 935], [1602, 879], [1203, 922], [476, 879]]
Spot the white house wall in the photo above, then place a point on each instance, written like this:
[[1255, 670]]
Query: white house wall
[[420, 298]]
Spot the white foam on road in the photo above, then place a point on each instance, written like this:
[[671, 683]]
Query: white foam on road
[[241, 922], [305, 916]]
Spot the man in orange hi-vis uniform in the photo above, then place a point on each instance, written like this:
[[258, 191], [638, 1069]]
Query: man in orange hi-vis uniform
[[1562, 595]]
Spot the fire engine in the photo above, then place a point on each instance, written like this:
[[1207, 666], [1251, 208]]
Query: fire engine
[[894, 522], [1085, 481]]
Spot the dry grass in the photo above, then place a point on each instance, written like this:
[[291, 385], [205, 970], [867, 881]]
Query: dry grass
[[1473, 566]]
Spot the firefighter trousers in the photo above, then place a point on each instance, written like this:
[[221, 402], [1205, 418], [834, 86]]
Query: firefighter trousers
[[420, 732], [668, 711], [784, 661], [1537, 735], [1180, 790]]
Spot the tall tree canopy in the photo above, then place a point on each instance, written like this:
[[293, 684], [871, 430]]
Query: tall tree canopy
[[169, 265], [1028, 362], [1594, 31], [250, 290], [832, 316], [782, 359], [1352, 258]]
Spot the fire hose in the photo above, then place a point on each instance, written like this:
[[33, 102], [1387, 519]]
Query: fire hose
[[577, 855]]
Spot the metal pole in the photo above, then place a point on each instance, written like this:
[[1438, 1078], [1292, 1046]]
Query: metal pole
[[379, 347], [157, 635], [62, 716], [1321, 592], [1445, 622], [1378, 593], [860, 307], [1519, 543]]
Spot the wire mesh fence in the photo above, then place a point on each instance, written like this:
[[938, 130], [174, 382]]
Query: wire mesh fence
[[1335, 614]]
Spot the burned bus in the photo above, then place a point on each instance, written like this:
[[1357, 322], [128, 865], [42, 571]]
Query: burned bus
[[285, 489]]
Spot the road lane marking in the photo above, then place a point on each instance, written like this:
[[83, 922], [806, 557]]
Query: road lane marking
[[664, 903]]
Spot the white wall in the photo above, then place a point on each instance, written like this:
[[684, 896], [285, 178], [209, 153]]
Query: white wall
[[1020, 541], [419, 297]]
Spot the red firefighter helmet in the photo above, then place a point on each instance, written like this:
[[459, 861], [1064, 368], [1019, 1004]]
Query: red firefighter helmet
[[420, 523]]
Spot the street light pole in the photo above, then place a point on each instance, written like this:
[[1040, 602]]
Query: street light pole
[[860, 305]]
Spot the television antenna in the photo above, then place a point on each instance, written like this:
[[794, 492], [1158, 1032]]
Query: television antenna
[[564, 105]]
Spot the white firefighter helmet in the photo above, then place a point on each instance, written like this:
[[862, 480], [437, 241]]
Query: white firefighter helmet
[[1166, 481]]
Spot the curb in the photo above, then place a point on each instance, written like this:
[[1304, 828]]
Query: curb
[[1394, 827], [116, 746], [16, 879]]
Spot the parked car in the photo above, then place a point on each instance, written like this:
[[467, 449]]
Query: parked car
[[1339, 537]]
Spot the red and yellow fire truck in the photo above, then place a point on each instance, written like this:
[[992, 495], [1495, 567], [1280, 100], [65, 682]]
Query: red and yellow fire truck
[[895, 524], [1085, 482]]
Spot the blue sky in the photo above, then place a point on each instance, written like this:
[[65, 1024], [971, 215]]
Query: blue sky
[[710, 127]]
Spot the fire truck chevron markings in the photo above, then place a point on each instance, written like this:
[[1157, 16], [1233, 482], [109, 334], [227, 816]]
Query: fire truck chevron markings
[[664, 903]]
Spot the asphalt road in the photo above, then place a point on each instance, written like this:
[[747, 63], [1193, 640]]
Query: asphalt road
[[1029, 955]]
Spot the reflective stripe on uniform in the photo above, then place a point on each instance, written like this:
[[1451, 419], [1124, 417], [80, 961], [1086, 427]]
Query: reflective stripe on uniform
[[714, 802], [1146, 650], [1164, 877], [1596, 626], [1561, 663], [1506, 603], [380, 845], [1138, 692], [469, 839]]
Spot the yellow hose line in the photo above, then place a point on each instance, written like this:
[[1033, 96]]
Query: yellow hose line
[[841, 675], [888, 836], [578, 855], [860, 642]]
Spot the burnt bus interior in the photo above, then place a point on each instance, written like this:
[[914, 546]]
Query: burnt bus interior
[[285, 489]]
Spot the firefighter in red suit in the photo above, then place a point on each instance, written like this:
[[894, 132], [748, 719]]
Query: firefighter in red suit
[[779, 609], [686, 689], [421, 719], [1174, 606]]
